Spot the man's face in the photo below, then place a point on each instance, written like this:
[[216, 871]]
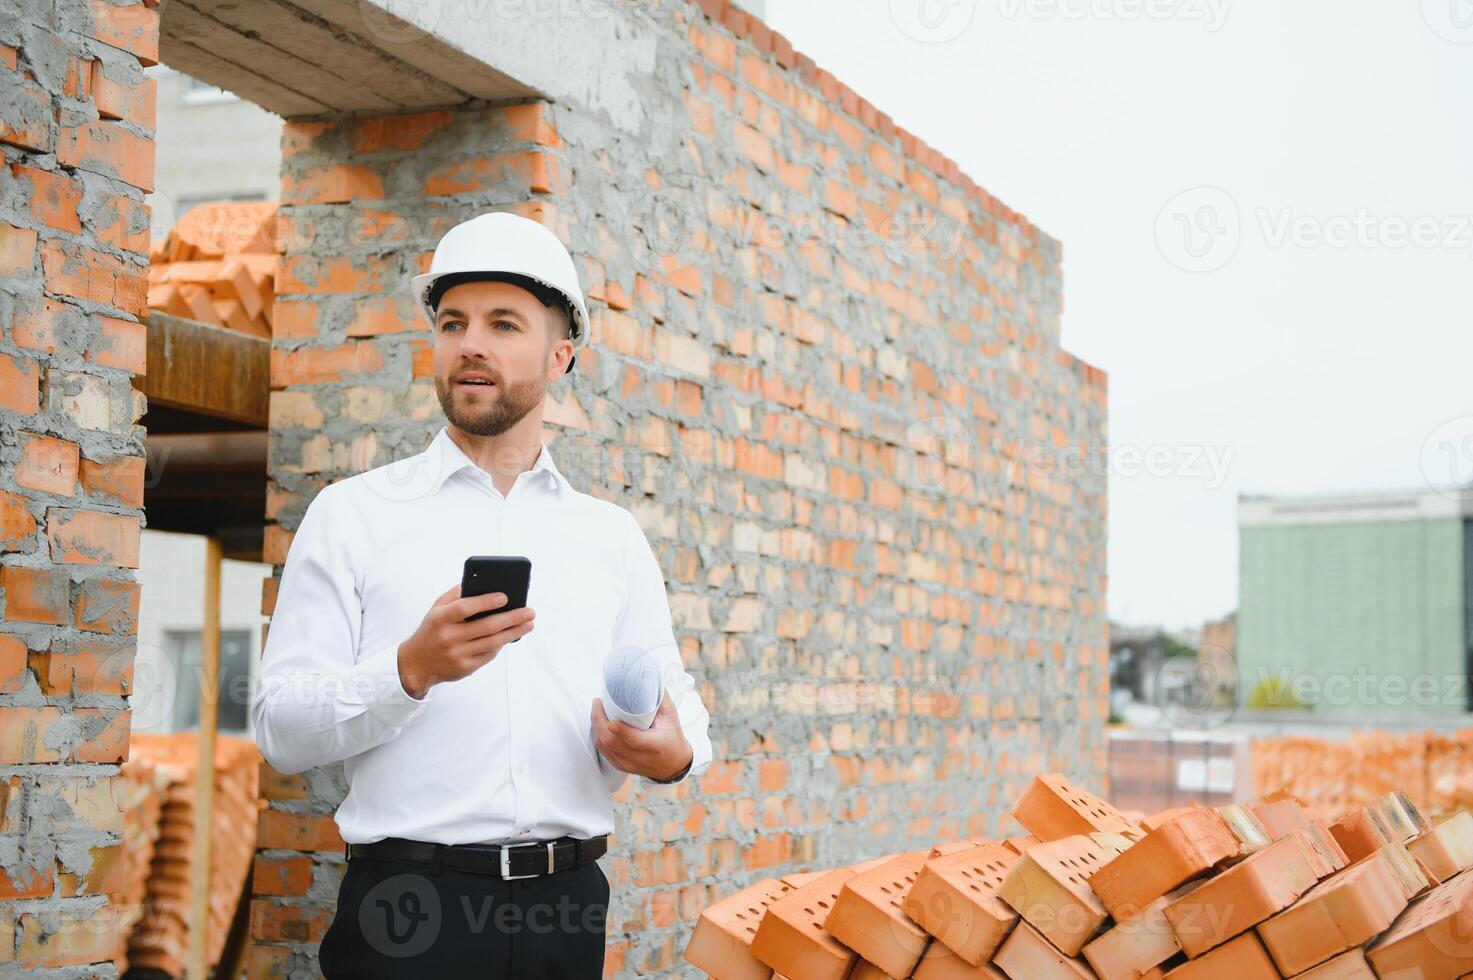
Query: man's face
[[503, 333]]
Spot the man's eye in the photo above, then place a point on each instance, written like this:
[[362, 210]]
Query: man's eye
[[506, 323], [448, 324]]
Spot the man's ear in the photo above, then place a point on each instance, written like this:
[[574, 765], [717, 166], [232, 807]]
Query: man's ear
[[552, 368]]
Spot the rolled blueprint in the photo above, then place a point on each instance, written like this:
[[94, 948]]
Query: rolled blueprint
[[632, 687]]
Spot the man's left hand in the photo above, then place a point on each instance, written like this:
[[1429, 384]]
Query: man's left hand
[[658, 752]]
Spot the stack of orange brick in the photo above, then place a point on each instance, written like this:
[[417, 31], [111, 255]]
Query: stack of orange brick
[[1317, 769], [1333, 777], [1450, 771], [144, 785], [1387, 763], [160, 938], [1203, 893], [218, 265]]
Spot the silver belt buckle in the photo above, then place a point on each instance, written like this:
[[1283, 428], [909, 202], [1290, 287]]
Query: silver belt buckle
[[506, 874]]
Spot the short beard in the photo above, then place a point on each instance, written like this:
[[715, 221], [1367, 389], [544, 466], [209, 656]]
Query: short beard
[[500, 413]]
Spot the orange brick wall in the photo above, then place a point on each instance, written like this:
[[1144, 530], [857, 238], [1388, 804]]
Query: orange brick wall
[[76, 131], [826, 377]]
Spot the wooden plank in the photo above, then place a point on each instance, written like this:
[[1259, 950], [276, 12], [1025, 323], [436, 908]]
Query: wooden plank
[[350, 51], [206, 369], [204, 783], [209, 67]]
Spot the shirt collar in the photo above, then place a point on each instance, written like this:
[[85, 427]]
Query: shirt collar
[[446, 459]]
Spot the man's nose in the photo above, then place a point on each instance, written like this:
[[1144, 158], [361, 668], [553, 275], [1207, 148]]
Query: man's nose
[[476, 342]]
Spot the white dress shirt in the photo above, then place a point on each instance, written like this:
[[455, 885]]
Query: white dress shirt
[[505, 753]]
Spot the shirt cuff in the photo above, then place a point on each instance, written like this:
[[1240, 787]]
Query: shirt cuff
[[375, 683], [682, 776]]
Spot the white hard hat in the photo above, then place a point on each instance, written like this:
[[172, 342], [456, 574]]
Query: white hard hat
[[500, 243]]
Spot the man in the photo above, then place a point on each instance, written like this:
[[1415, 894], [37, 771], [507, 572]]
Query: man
[[479, 758]]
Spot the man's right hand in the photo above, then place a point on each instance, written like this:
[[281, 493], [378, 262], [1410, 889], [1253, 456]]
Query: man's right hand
[[446, 648]]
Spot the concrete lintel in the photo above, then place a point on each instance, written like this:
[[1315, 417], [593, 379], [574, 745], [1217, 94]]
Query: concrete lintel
[[311, 57], [596, 54]]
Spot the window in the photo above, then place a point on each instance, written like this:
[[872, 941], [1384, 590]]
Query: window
[[183, 650]]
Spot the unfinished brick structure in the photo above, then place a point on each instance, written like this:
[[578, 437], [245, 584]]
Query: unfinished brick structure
[[825, 374], [76, 126]]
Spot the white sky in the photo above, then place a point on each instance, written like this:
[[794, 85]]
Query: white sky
[[1310, 367]]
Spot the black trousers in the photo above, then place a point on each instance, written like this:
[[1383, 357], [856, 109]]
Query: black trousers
[[403, 920]]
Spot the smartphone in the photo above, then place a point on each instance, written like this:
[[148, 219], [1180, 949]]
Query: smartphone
[[511, 574]]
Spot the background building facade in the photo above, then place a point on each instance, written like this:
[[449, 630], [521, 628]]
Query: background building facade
[[1360, 604]]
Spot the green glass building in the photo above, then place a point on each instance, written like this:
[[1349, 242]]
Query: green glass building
[[1356, 606]]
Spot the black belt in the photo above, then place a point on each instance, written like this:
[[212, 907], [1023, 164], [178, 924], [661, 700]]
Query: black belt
[[507, 861]]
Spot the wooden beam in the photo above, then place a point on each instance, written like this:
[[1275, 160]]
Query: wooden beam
[[204, 785], [207, 369]]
